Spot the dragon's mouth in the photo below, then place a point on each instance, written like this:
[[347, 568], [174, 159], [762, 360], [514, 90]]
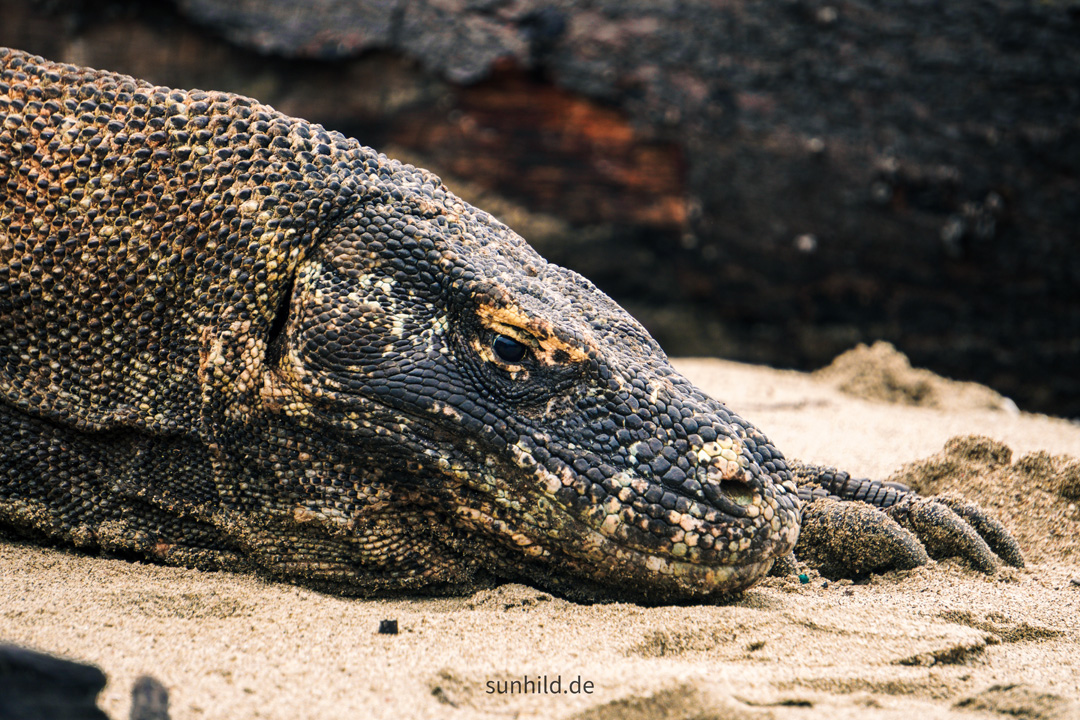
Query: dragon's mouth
[[651, 578], [584, 563], [616, 549]]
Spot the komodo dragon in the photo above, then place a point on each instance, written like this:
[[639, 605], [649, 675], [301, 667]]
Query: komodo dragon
[[233, 339]]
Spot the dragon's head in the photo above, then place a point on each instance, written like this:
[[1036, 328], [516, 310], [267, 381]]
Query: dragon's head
[[534, 429]]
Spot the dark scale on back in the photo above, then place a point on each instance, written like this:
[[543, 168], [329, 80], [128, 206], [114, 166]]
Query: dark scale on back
[[232, 339]]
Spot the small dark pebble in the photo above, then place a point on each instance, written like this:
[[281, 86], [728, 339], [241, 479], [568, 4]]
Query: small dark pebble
[[804, 578], [388, 627], [1075, 581], [441, 695], [149, 700], [825, 585]]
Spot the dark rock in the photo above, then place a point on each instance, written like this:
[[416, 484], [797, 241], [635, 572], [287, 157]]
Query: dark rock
[[325, 29], [34, 685], [38, 686]]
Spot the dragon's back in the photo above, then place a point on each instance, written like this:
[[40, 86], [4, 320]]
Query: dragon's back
[[136, 220], [148, 238]]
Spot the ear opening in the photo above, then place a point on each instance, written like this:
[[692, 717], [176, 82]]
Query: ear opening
[[275, 338]]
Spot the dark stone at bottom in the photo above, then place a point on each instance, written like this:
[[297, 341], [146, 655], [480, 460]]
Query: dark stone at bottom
[[34, 686]]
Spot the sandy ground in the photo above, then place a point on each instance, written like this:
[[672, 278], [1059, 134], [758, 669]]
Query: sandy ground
[[938, 641]]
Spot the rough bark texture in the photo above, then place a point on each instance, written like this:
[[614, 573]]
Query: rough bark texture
[[767, 181]]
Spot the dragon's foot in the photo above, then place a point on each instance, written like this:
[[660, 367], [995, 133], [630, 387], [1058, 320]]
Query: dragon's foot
[[852, 527], [845, 539]]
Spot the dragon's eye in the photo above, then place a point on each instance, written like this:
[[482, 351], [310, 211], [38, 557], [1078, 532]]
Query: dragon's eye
[[508, 349]]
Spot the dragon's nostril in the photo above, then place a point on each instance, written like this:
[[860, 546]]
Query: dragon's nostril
[[739, 492], [732, 497]]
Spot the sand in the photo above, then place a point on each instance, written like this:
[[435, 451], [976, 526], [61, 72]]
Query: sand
[[937, 641]]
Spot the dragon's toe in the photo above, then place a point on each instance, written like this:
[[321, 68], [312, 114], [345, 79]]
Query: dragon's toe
[[989, 528], [846, 539], [943, 532]]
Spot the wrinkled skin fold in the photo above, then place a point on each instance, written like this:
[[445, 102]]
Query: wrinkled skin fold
[[229, 338]]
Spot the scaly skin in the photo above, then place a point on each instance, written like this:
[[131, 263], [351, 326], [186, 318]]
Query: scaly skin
[[229, 338]]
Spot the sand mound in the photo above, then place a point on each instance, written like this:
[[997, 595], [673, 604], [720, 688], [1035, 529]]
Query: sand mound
[[881, 372]]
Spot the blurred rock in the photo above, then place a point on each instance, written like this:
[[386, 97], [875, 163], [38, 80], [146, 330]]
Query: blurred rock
[[36, 686]]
